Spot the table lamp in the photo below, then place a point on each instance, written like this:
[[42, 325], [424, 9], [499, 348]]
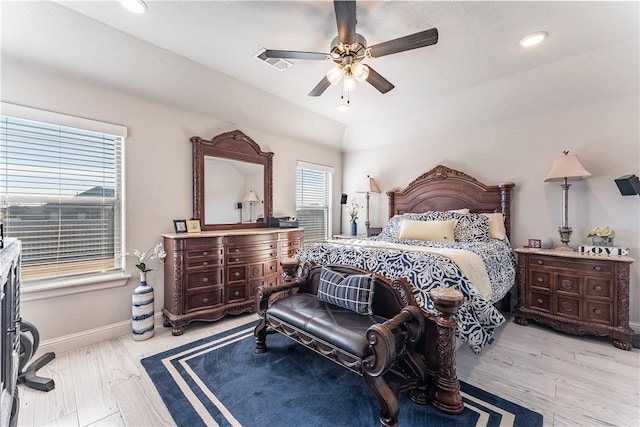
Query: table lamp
[[567, 166], [368, 185], [251, 198]]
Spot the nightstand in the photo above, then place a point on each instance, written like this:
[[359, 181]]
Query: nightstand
[[575, 293]]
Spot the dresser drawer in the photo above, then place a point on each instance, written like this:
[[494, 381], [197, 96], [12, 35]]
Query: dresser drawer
[[568, 284], [540, 279], [568, 307], [205, 252], [587, 266], [540, 301], [596, 287], [204, 299], [291, 235], [213, 277], [253, 239], [236, 293], [244, 257], [203, 243], [256, 270], [236, 273], [204, 263], [599, 312]]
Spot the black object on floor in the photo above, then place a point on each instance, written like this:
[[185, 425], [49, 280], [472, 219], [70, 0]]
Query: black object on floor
[[29, 341]]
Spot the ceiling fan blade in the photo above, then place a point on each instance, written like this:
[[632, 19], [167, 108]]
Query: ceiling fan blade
[[346, 19], [320, 87], [401, 44], [292, 54], [379, 82]]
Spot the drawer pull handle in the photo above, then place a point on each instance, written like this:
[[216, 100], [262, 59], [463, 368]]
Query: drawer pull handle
[[205, 263], [539, 300], [237, 274], [540, 280], [236, 293], [597, 311], [540, 262], [597, 288], [205, 253], [237, 259], [205, 279], [205, 299], [597, 268]]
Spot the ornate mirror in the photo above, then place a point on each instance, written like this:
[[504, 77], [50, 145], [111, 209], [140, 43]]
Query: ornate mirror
[[232, 182]]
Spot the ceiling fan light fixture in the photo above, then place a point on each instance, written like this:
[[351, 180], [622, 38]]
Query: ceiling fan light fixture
[[533, 39], [349, 83], [135, 6], [343, 107], [335, 74], [360, 71]]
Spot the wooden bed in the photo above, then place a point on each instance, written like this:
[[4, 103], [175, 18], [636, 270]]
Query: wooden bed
[[443, 189]]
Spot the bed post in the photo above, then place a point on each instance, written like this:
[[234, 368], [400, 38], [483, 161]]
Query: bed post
[[446, 396], [505, 204]]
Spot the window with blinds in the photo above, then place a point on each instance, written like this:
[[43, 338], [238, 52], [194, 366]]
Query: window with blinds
[[61, 195], [313, 200]]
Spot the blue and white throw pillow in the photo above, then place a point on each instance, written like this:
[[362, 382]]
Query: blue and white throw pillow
[[351, 291]]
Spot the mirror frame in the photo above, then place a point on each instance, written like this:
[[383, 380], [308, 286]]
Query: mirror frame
[[233, 145]]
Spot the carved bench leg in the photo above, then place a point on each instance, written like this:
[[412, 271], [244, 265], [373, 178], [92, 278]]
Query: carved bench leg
[[446, 396], [387, 399], [260, 335]]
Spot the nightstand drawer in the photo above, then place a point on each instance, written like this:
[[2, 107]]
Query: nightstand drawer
[[540, 301], [596, 287], [540, 279], [587, 266], [598, 312], [568, 307], [568, 284]]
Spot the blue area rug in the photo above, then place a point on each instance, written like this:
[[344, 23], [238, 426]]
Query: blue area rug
[[221, 380]]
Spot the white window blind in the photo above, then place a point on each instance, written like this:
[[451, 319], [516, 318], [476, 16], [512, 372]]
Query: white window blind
[[61, 195], [313, 200]]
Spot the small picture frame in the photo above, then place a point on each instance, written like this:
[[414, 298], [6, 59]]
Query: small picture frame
[[535, 243], [193, 226], [180, 225]]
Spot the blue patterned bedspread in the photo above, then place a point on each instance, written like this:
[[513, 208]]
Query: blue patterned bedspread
[[477, 317]]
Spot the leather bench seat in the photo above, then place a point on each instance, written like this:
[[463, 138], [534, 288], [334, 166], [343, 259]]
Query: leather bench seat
[[337, 326]]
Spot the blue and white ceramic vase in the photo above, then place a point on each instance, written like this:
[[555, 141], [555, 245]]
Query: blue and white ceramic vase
[[354, 228], [142, 310]]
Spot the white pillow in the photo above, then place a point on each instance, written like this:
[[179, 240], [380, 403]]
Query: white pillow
[[461, 211], [497, 230], [435, 231]]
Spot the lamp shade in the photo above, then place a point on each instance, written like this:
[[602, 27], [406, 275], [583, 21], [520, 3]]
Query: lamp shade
[[251, 197], [368, 185], [567, 166]]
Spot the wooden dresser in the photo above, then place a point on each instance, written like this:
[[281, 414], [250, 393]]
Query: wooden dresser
[[214, 273], [575, 293]]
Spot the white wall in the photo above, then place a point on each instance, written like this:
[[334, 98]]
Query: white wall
[[158, 181], [605, 135]]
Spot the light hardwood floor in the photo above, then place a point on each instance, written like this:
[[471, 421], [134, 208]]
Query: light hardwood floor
[[571, 380]]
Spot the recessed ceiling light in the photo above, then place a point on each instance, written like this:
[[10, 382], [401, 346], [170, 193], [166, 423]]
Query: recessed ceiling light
[[533, 39], [135, 6]]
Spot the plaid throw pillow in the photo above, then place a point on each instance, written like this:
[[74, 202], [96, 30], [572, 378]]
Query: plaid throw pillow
[[353, 292]]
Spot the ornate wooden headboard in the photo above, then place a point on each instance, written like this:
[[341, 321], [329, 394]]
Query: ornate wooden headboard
[[443, 189]]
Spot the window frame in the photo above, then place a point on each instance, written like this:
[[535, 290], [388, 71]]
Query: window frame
[[38, 288], [328, 226]]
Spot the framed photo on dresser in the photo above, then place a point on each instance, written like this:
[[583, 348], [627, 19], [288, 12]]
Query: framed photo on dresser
[[180, 225]]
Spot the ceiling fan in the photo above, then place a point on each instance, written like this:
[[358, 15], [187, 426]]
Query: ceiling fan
[[349, 49]]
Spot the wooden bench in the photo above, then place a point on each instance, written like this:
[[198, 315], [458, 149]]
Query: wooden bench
[[369, 345]]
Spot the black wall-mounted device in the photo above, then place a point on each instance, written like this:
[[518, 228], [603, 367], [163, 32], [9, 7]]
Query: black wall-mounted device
[[629, 185], [343, 199]]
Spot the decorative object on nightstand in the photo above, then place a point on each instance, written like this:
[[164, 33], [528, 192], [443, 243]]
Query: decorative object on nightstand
[[251, 198], [353, 209], [368, 186], [575, 293], [602, 236], [567, 166]]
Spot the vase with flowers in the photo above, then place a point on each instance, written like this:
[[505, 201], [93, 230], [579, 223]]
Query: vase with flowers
[[602, 236], [352, 210], [142, 298]]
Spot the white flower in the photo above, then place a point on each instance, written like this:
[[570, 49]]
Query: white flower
[[353, 209], [156, 253]]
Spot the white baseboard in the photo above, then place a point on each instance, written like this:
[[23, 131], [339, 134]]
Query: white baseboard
[[88, 337]]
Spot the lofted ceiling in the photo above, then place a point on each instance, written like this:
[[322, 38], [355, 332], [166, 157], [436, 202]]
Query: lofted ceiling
[[199, 55]]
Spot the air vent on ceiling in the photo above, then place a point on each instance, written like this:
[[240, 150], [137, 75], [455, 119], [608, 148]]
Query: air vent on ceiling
[[277, 63]]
